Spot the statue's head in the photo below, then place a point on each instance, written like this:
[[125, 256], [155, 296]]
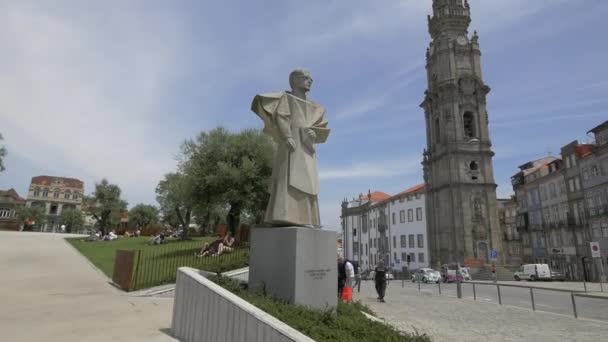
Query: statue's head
[[300, 79]]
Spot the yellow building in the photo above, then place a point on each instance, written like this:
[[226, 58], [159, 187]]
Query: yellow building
[[54, 194]]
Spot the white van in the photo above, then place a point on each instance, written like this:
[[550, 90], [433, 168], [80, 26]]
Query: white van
[[533, 272]]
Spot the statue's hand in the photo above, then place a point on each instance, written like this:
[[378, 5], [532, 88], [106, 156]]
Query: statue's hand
[[311, 134], [291, 144]]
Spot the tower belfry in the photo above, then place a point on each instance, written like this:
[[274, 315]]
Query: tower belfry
[[461, 203]]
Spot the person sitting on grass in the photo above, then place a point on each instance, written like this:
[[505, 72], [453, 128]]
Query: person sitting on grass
[[157, 239], [111, 236], [210, 248], [226, 246]]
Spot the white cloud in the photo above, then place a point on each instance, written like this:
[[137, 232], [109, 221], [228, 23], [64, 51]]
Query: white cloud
[[77, 97], [374, 169]]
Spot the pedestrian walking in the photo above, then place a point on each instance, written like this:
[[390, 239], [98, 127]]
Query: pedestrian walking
[[357, 268], [494, 277], [380, 280]]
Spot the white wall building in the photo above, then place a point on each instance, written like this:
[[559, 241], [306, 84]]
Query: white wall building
[[390, 228]]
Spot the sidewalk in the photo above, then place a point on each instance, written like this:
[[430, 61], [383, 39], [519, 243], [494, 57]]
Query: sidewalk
[[49, 292], [451, 319]]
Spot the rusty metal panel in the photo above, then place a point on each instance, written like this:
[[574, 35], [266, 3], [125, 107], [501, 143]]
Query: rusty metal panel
[[123, 269]]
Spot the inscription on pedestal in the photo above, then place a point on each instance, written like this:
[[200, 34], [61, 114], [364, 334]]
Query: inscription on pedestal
[[317, 274]]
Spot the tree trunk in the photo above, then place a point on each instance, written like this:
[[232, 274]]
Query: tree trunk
[[234, 217]]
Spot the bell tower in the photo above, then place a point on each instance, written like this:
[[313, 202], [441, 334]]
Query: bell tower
[[462, 216]]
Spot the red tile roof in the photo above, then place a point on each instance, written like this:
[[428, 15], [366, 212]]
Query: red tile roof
[[67, 182], [376, 196], [12, 194], [413, 189]]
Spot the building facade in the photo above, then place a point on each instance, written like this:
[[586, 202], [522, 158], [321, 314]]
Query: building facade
[[388, 228], [461, 191], [9, 202], [594, 181], [54, 194], [512, 241]]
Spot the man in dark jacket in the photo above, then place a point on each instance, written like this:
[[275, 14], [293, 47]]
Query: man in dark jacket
[[380, 280]]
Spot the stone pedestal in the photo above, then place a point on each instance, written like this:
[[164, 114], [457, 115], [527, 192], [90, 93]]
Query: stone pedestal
[[295, 264]]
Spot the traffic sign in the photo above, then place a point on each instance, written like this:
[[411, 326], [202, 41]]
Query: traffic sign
[[494, 254], [595, 249]]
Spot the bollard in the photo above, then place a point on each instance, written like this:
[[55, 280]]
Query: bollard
[[418, 285], [459, 289], [402, 282], [532, 299], [499, 298], [439, 284], [585, 285], [474, 293], [574, 305]]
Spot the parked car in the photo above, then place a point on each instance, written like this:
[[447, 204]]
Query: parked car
[[533, 272], [365, 275], [556, 275], [426, 275], [371, 274]]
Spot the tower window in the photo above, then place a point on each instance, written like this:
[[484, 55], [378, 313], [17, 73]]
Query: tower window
[[469, 125], [473, 166]]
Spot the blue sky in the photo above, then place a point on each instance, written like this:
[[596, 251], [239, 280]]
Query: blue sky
[[111, 88]]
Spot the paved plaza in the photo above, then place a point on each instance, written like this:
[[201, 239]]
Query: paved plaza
[[49, 292], [446, 318]]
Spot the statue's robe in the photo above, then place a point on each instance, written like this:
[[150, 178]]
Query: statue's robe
[[295, 179]]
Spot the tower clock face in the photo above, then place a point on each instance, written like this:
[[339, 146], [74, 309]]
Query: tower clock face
[[462, 40]]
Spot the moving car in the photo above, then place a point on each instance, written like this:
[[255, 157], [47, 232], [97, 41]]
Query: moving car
[[451, 272], [556, 275], [426, 275], [533, 272]]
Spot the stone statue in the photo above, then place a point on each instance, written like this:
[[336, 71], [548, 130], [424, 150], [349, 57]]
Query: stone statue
[[296, 124]]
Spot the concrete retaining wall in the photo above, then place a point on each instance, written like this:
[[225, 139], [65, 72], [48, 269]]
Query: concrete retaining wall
[[204, 311]]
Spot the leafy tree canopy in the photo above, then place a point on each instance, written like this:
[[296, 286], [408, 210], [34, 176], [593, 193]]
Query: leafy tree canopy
[[143, 215], [105, 205]]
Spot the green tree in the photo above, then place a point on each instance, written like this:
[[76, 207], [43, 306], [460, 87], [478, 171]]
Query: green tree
[[143, 215], [2, 155], [71, 218], [35, 215], [232, 170], [105, 205], [175, 194]]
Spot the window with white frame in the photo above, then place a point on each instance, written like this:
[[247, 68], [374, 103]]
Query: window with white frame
[[412, 257], [36, 191], [5, 212], [394, 216], [418, 214], [410, 215], [45, 193], [420, 257], [420, 241], [402, 216], [404, 256], [411, 238], [395, 243], [403, 241]]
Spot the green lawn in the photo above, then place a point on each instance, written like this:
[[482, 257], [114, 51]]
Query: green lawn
[[346, 325], [157, 264]]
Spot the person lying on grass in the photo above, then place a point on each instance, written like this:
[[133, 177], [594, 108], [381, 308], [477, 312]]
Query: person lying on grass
[[217, 247]]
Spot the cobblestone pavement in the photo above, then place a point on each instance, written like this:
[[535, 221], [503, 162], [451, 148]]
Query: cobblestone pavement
[[446, 318]]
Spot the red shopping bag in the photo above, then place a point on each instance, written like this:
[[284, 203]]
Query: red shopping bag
[[347, 294]]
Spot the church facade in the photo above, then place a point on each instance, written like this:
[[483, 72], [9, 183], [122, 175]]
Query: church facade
[[461, 204]]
